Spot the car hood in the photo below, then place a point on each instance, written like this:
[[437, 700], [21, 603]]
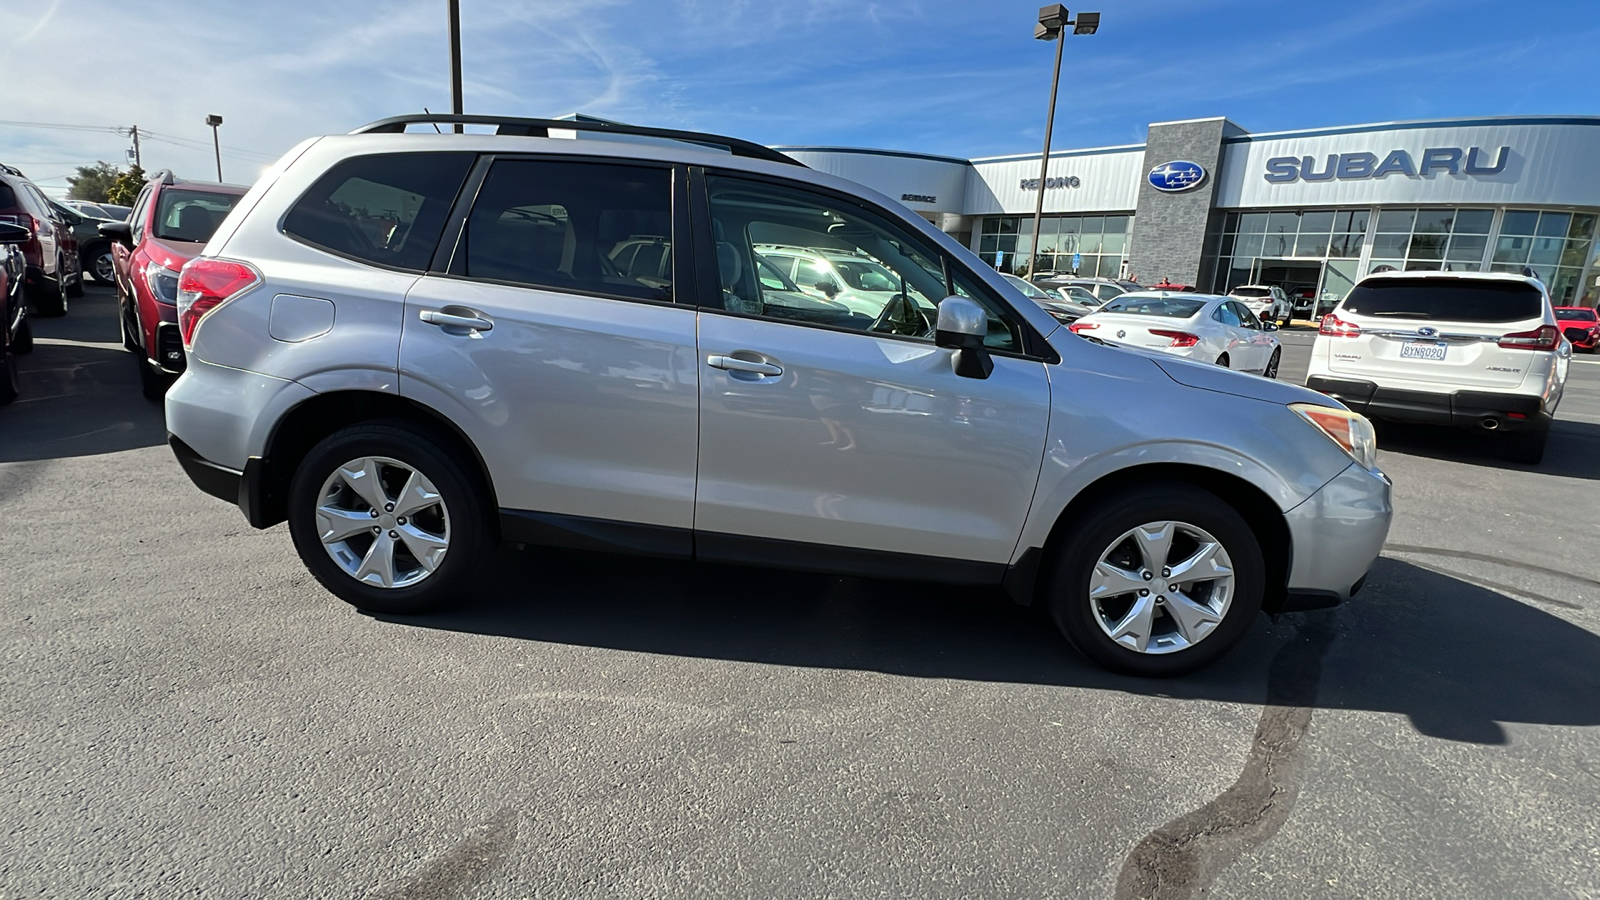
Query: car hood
[[170, 253], [1208, 377]]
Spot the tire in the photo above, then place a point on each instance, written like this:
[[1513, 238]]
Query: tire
[[22, 344], [128, 342], [1526, 447], [1271, 371], [51, 299], [459, 514], [1223, 360], [74, 288], [9, 378], [100, 264], [152, 382], [1221, 609]]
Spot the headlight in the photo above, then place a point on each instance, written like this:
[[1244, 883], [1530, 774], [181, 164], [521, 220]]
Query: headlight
[[1351, 431], [163, 282]]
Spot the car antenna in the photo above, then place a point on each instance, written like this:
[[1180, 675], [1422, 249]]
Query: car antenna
[[435, 124]]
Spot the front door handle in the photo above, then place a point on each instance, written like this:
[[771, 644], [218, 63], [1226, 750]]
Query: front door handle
[[734, 364], [451, 320]]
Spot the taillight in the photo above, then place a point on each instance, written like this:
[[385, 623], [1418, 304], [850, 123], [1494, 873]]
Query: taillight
[[205, 284], [1333, 326], [1545, 337], [1077, 327], [1179, 338]]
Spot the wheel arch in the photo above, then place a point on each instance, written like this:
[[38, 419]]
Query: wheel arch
[[1265, 518], [306, 424]]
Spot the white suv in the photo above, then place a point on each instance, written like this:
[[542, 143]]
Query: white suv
[[413, 346], [1268, 302], [1474, 350]]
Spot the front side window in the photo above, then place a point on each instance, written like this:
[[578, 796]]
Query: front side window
[[191, 215], [1226, 315], [857, 271], [140, 206], [387, 208], [555, 224]]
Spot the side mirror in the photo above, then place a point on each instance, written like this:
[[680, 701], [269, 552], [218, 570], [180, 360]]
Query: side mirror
[[121, 232], [13, 234], [827, 287], [962, 327], [1268, 326]]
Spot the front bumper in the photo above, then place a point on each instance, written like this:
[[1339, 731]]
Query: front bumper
[[1337, 533], [1463, 409]]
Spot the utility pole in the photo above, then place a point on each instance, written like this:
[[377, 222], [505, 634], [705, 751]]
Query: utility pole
[[455, 60], [137, 161]]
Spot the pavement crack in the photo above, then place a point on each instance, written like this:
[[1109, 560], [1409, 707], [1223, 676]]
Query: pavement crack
[[1182, 857]]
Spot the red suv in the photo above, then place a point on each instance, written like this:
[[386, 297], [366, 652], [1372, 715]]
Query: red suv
[[53, 272], [1581, 325], [170, 224]]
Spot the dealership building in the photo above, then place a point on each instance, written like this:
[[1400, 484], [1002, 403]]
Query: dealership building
[[1206, 203]]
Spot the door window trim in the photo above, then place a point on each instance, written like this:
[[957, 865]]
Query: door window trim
[[1034, 346], [450, 258]]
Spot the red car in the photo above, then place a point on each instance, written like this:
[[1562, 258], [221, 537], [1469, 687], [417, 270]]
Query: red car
[[53, 272], [1165, 285], [170, 224], [1581, 325]]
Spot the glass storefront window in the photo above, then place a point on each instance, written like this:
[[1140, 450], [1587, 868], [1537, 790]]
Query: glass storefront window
[[1101, 242], [1314, 222], [1396, 221], [1519, 222], [1467, 248], [1474, 221], [1553, 224], [1311, 245], [1387, 245], [1434, 221]]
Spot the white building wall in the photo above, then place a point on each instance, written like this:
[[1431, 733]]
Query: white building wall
[[899, 175], [1108, 182]]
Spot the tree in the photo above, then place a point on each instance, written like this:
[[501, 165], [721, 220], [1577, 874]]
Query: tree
[[126, 188], [94, 182]]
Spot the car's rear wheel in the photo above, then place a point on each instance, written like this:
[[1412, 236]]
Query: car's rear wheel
[[386, 520], [100, 264], [22, 344], [51, 298], [1526, 447], [1271, 371], [74, 286], [1157, 581]]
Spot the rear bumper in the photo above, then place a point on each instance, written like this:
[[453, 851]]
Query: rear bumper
[[243, 489], [1463, 409]]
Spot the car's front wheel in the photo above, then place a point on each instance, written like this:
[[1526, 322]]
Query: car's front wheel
[[386, 520], [1157, 581], [1271, 371], [100, 264]]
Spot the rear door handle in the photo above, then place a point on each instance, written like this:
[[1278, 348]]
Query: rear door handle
[[735, 364], [451, 320]]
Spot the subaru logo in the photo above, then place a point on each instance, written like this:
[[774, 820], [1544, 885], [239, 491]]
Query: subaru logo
[[1425, 331], [1178, 175], [1122, 334]]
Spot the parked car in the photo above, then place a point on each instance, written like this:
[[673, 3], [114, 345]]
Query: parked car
[[108, 211], [1165, 285], [1580, 325], [1480, 351], [16, 334], [1268, 302], [408, 396], [1201, 327], [1063, 306], [1304, 299], [1103, 289], [171, 221], [856, 280], [94, 249], [53, 274]]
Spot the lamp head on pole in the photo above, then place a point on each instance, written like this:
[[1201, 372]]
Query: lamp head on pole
[[213, 120], [1086, 23], [1052, 19]]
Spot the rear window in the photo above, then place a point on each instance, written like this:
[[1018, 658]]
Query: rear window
[[1576, 315], [1251, 292], [191, 215], [8, 199], [386, 208], [1446, 299], [1166, 307]]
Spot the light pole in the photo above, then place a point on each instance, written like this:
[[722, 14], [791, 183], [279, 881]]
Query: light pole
[[1053, 23], [216, 143], [455, 60]]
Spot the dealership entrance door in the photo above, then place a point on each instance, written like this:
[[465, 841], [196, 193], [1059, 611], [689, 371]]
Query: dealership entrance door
[[1290, 274]]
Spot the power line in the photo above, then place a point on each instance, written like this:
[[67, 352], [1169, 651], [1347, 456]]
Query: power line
[[114, 129]]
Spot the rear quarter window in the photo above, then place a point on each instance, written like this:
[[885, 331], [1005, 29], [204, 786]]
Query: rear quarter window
[[387, 208], [1446, 299]]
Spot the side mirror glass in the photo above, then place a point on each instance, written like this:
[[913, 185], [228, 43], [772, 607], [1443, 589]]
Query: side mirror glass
[[961, 327], [13, 234]]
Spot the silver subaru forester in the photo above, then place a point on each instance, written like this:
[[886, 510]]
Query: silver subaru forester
[[414, 346]]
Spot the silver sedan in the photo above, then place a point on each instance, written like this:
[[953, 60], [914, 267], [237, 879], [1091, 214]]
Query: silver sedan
[[1200, 327]]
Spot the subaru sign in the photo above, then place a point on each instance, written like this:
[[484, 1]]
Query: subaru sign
[[1178, 175], [1363, 165]]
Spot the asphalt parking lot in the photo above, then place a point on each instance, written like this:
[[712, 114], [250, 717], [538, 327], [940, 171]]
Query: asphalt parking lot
[[187, 714]]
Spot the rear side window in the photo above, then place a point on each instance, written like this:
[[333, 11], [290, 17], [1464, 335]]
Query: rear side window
[[1447, 299], [387, 208], [8, 199], [191, 215], [556, 225]]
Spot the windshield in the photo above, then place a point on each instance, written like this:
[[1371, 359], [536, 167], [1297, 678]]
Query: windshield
[[1252, 292], [1448, 299], [865, 276], [1166, 307], [1577, 315], [1028, 288], [1079, 295], [191, 215]]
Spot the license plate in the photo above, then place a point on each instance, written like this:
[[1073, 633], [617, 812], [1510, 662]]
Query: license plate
[[1422, 350]]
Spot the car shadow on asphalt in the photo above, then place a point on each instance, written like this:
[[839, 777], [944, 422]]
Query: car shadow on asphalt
[[78, 400], [1456, 658], [1572, 452]]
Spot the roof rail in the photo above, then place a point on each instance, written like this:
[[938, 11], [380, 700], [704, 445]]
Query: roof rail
[[511, 125], [162, 176]]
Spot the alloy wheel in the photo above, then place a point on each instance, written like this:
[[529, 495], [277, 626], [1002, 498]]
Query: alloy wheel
[[104, 268], [1272, 364], [1161, 587], [383, 522]]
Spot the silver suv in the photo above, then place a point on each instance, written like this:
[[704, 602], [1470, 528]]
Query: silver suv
[[413, 346]]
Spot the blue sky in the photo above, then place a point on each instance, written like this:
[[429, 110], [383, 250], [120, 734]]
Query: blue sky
[[957, 78]]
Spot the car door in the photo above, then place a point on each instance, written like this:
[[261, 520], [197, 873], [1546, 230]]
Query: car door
[[1255, 338], [577, 384], [825, 444]]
